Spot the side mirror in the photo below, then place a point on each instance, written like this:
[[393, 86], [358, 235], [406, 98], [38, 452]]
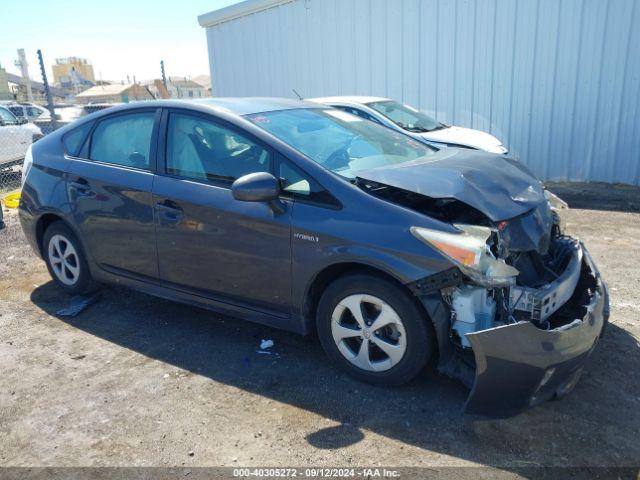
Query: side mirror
[[258, 187]]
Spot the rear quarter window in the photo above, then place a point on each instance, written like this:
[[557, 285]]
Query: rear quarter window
[[74, 139]]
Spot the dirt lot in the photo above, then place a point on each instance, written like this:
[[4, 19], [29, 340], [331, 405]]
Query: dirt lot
[[134, 380]]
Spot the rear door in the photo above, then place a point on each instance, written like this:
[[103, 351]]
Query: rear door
[[210, 244], [110, 186]]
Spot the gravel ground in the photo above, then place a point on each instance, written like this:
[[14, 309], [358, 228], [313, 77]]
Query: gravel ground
[[135, 380]]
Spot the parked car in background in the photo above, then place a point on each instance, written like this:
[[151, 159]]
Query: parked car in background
[[28, 112], [413, 122], [15, 136], [305, 217], [69, 113]]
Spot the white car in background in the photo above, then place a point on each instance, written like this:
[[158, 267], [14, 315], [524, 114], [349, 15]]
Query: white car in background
[[27, 111], [413, 122], [15, 137]]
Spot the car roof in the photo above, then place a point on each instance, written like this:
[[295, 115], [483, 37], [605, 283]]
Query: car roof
[[354, 99], [249, 105], [234, 105]]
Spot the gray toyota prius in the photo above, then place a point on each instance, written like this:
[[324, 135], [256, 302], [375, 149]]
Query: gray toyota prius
[[304, 217]]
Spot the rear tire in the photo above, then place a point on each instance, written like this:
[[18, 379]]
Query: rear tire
[[65, 260], [388, 340]]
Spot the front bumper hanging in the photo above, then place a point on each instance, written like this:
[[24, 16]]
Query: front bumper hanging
[[521, 365]]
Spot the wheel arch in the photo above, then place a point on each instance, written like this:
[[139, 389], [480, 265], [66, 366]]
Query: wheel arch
[[45, 221], [332, 272]]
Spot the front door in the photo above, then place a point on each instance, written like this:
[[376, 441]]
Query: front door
[[110, 194], [210, 244]]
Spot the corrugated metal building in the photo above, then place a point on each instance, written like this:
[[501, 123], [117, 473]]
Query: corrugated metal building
[[558, 81]]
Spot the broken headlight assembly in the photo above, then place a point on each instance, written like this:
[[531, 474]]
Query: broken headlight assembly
[[556, 204], [469, 251]]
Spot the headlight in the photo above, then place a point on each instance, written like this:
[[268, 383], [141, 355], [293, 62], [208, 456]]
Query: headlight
[[470, 252], [26, 165]]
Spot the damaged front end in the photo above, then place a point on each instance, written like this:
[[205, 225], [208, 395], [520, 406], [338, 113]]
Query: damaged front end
[[522, 309], [526, 336], [539, 339]]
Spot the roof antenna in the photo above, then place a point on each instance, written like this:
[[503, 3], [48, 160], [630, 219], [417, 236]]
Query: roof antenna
[[297, 94]]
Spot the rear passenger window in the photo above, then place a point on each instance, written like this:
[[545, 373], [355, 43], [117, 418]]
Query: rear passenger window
[[123, 140], [74, 140], [201, 149]]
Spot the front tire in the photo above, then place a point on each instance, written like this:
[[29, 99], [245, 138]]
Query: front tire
[[374, 330], [65, 260]]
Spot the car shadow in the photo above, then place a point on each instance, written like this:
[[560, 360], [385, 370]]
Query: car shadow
[[425, 413]]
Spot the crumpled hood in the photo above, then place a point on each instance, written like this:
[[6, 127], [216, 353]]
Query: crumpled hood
[[498, 186], [466, 137]]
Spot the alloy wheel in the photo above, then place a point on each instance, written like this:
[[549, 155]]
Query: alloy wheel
[[64, 260], [368, 332]]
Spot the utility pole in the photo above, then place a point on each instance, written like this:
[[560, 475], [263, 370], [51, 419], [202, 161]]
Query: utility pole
[[24, 71], [47, 91], [164, 79]]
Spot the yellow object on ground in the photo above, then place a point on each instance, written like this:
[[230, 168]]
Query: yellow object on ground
[[12, 200]]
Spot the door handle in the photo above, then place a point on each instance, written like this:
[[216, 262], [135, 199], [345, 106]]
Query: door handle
[[81, 186], [171, 211]]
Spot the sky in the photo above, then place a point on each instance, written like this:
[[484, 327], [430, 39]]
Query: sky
[[119, 37]]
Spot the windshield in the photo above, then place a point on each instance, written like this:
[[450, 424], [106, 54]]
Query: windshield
[[339, 141], [7, 117], [406, 117]]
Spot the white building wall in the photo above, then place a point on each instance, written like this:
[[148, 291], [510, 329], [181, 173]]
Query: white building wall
[[558, 81]]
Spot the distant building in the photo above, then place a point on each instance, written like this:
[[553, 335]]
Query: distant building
[[114, 94], [177, 88], [5, 92], [18, 89], [205, 81], [73, 72]]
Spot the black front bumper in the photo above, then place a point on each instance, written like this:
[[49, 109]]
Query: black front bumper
[[520, 365]]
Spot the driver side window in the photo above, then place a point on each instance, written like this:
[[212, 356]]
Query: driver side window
[[201, 149]]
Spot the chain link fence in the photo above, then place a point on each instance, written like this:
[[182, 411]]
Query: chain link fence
[[15, 139], [22, 124]]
